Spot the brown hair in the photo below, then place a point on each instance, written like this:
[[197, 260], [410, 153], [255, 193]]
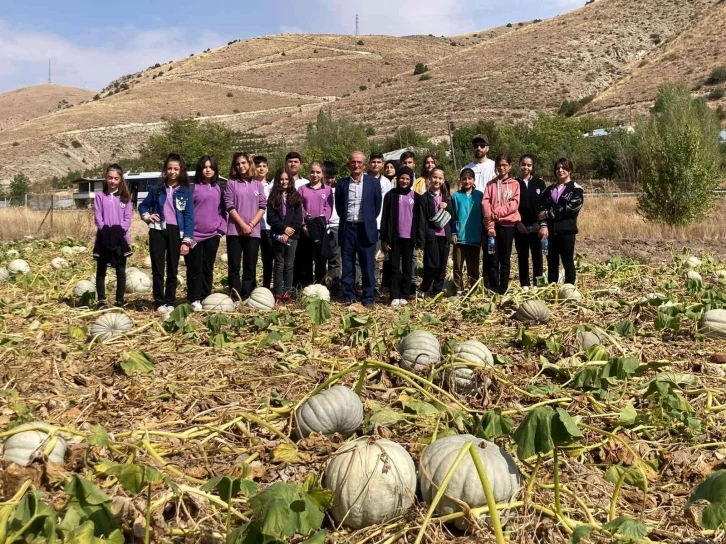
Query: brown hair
[[293, 198], [425, 174], [233, 174], [564, 163], [123, 191]]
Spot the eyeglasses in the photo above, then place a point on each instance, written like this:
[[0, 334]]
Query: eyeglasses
[[479, 146]]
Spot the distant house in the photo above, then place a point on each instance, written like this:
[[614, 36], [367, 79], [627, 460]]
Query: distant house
[[600, 132], [139, 185], [723, 136]]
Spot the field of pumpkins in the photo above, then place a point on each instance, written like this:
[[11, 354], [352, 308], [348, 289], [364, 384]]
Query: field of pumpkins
[[586, 414]]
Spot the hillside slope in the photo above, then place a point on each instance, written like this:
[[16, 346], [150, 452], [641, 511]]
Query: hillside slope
[[689, 57], [30, 102], [274, 85]]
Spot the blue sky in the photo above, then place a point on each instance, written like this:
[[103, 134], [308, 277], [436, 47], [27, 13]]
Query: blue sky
[[91, 43]]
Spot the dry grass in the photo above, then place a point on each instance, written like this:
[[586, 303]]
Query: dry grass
[[31, 102], [15, 223], [617, 218]]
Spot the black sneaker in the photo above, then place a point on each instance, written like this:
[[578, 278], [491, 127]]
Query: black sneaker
[[101, 305]]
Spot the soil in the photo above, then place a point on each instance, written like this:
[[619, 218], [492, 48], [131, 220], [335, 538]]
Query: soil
[[651, 252]]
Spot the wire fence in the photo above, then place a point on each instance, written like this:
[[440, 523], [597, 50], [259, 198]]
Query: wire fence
[[39, 201]]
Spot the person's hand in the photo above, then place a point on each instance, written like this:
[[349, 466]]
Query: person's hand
[[521, 228], [184, 249], [284, 238], [154, 218], [492, 232], [305, 230], [542, 215], [442, 205], [385, 247], [290, 231], [543, 233], [246, 228], [454, 239]]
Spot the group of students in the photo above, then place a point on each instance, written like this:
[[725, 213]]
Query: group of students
[[314, 230]]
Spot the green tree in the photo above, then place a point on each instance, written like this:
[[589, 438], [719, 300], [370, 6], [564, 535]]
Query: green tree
[[679, 156], [334, 139], [19, 187]]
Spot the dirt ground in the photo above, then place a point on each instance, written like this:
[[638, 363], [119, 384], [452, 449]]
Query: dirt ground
[[652, 252]]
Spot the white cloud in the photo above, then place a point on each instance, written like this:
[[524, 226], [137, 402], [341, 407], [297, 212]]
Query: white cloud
[[24, 55]]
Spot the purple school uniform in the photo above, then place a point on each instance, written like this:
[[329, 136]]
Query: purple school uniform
[[208, 219], [109, 210], [437, 200], [246, 198], [169, 211], [317, 202], [405, 215]]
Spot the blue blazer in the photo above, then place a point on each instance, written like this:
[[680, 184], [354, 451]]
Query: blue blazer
[[372, 200], [183, 206]]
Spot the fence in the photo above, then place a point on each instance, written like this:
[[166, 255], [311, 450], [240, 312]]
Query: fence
[[43, 214], [38, 201]]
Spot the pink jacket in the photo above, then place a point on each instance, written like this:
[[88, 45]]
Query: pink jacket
[[501, 203]]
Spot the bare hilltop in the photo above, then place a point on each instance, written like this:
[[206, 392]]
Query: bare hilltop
[[614, 53]]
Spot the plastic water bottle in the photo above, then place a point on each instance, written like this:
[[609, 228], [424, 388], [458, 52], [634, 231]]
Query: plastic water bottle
[[490, 245], [529, 229], [278, 238], [545, 247]]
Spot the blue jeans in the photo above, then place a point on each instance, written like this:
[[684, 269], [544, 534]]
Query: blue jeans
[[355, 243]]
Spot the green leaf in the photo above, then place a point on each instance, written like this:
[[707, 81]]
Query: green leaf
[[596, 353], [631, 476], [580, 532], [33, 520], [386, 417], [134, 478], [136, 361], [493, 424], [626, 527], [624, 328], [318, 310], [534, 434], [422, 408], [713, 491], [564, 429], [98, 436], [289, 453], [628, 416], [317, 538], [215, 323], [588, 378], [620, 368], [77, 333]]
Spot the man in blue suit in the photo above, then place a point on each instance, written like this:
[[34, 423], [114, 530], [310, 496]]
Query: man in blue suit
[[358, 202]]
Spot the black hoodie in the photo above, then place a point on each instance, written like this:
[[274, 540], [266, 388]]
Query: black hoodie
[[530, 196]]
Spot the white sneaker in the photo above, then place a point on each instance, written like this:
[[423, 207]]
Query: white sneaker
[[459, 293], [402, 302], [525, 288], [164, 311], [396, 302], [197, 306]]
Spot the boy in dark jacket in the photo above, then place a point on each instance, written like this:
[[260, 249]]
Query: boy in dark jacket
[[526, 239], [559, 208]]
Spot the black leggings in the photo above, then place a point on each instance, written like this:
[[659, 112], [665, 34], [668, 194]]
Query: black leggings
[[561, 247], [436, 257], [242, 250], [101, 265], [164, 250], [200, 269], [500, 261], [526, 244], [401, 259]]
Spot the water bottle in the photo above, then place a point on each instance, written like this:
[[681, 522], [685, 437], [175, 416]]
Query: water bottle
[[278, 238], [529, 229], [545, 247], [490, 245]]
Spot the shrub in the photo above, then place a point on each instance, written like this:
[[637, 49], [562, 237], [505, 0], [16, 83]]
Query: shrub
[[283, 54], [76, 144], [716, 93], [16, 144], [679, 154], [718, 75], [359, 42], [97, 97], [509, 25], [229, 94], [363, 87], [235, 111], [720, 113], [424, 77], [420, 68]]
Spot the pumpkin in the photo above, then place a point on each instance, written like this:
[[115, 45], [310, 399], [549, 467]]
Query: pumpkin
[[465, 489], [58, 263], [4, 275], [129, 270], [335, 410], [138, 282], [587, 339], [693, 275], [719, 274], [693, 262], [21, 447], [218, 302], [316, 290], [569, 292], [147, 261], [83, 287], [110, 324], [419, 351], [463, 379], [261, 298], [79, 249], [372, 480], [713, 324], [533, 311], [18, 266], [12, 254], [224, 258], [67, 252]]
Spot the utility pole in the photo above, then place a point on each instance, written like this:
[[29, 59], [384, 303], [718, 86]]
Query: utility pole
[[356, 24], [451, 141]]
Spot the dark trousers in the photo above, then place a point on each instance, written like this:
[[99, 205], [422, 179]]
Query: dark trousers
[[561, 247], [334, 261], [101, 265], [268, 257], [200, 269], [308, 258], [400, 260], [164, 248], [485, 263], [284, 265], [526, 244], [500, 260], [436, 255], [466, 254], [242, 253], [356, 244]]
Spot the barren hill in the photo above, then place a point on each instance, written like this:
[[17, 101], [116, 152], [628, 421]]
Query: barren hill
[[689, 57], [31, 102], [274, 85]]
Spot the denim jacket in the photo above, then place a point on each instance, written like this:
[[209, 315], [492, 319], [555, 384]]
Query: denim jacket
[[183, 205]]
